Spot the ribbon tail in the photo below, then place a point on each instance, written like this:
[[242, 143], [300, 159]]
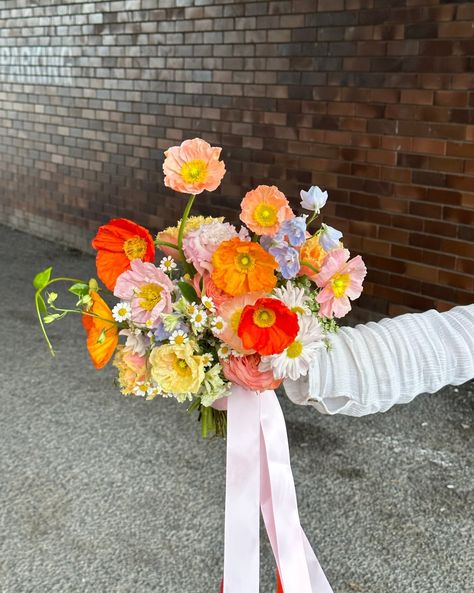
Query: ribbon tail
[[298, 567], [242, 507]]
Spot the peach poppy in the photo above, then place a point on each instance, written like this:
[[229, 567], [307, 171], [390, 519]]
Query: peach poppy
[[102, 331], [204, 286], [312, 252], [243, 266], [231, 312], [264, 209], [118, 243], [268, 326], [193, 167]]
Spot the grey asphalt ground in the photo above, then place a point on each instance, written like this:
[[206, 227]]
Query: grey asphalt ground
[[105, 494]]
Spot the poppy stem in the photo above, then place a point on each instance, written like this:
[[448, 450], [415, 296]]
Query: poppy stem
[[166, 244], [310, 266], [182, 226]]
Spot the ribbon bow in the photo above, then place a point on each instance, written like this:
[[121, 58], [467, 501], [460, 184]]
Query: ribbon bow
[[259, 477]]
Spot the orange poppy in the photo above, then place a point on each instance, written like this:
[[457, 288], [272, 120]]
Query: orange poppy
[[118, 243], [102, 331], [268, 327], [243, 266]]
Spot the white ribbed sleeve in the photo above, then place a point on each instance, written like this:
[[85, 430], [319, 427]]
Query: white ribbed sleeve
[[371, 367]]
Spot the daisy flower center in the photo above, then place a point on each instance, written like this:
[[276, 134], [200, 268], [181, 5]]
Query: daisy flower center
[[265, 215], [264, 317], [339, 284], [194, 171], [294, 350], [150, 295], [135, 247], [122, 311], [244, 262], [179, 340]]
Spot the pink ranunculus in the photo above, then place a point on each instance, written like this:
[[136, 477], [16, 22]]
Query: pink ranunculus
[[243, 370], [148, 290], [200, 244], [340, 281], [204, 285]]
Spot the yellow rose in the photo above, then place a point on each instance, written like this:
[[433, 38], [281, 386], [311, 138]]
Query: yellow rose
[[176, 369]]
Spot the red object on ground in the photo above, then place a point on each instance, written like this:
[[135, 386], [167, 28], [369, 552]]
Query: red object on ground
[[279, 585]]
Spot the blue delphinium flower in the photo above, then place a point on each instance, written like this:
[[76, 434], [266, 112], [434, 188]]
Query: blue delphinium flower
[[294, 229], [287, 258], [329, 237], [313, 199]]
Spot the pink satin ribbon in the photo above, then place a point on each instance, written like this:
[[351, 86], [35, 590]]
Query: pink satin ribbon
[[259, 476]]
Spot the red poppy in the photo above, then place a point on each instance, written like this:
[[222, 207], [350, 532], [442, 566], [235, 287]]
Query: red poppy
[[268, 326], [118, 243], [102, 331]]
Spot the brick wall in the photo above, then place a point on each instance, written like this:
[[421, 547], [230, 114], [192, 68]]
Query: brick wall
[[370, 99]]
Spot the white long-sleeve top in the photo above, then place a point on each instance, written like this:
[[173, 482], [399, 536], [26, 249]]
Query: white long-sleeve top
[[371, 367]]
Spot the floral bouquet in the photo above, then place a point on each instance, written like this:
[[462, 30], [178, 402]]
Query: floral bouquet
[[221, 307]]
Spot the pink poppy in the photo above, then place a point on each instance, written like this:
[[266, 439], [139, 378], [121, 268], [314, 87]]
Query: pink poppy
[[148, 290], [340, 281]]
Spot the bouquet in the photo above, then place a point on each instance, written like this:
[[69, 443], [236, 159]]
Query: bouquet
[[219, 320], [205, 304]]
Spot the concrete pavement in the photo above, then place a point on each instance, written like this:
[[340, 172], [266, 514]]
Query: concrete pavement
[[106, 494]]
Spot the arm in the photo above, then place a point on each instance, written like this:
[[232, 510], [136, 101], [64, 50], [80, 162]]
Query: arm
[[371, 367]]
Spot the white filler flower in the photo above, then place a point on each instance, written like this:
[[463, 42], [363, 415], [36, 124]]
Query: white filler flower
[[179, 338], [168, 264], [294, 362], [294, 298], [122, 311]]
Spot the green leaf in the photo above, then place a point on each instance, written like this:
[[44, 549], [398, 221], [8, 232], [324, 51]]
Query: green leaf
[[188, 292], [80, 289], [41, 305], [51, 318], [41, 279], [101, 337]]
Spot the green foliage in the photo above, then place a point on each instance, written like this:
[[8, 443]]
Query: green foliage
[[80, 289], [42, 279], [188, 292]]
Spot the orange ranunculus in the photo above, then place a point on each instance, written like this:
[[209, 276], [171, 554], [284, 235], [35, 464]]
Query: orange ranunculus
[[313, 253], [268, 326], [243, 266], [118, 243], [102, 331], [264, 209], [193, 167]]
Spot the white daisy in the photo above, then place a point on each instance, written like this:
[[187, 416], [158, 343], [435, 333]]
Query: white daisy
[[122, 312], [207, 359], [191, 308], [218, 325], [295, 361], [168, 264], [179, 338], [141, 388], [224, 351], [294, 298], [199, 319], [153, 391], [208, 304]]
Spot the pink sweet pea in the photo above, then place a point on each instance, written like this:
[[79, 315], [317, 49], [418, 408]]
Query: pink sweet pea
[[340, 281], [148, 290]]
